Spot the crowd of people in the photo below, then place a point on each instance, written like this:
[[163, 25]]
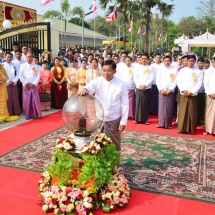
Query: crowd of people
[[179, 88]]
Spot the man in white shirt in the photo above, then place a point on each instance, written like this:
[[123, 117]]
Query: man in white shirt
[[201, 94], [18, 62], [127, 75], [209, 80], [112, 94], [143, 78], [154, 90], [13, 74], [24, 52], [166, 83], [30, 75], [189, 81], [15, 48]]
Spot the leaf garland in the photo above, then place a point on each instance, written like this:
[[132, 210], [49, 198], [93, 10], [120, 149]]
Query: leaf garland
[[100, 167], [61, 167]]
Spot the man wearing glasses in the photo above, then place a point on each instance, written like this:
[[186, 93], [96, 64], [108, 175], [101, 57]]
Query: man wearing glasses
[[24, 52]]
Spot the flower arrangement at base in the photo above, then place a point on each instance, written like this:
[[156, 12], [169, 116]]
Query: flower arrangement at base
[[65, 143], [67, 200], [69, 190], [95, 146], [116, 194]]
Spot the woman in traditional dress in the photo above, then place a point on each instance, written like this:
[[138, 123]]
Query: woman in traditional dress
[[72, 85], [209, 83], [81, 75], [63, 63], [59, 91], [166, 83], [4, 114], [93, 72], [44, 85]]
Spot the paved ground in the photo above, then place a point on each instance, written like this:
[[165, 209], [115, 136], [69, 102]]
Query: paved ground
[[22, 120]]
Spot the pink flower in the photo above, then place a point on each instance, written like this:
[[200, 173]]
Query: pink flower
[[117, 200], [63, 208], [124, 199], [90, 199], [68, 189]]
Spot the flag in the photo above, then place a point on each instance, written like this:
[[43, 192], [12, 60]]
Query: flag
[[44, 2], [140, 29], [165, 39], [130, 26], [112, 16], [109, 18], [93, 7]]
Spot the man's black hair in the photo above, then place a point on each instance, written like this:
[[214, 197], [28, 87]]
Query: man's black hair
[[110, 62]]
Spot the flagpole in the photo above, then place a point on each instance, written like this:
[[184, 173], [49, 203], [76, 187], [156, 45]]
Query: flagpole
[[116, 38], [139, 41], [61, 26], [131, 40], [94, 33]]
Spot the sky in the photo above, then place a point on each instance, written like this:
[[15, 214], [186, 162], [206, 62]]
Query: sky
[[183, 8]]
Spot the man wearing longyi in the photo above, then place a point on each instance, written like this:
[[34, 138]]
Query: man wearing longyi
[[112, 94]]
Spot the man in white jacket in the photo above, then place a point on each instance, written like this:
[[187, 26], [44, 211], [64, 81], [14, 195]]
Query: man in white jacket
[[112, 94]]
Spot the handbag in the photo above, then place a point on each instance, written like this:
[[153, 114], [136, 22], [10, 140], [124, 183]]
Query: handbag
[[44, 97]]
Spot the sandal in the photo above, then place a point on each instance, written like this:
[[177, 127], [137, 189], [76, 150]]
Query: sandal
[[205, 133], [158, 126], [169, 127], [146, 123]]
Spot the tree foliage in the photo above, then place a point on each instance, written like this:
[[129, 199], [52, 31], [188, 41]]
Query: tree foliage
[[52, 14]]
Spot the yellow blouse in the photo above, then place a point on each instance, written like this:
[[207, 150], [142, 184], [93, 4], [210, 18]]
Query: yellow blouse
[[3, 89], [63, 78]]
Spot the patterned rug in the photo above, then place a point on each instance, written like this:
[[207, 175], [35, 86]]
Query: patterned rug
[[167, 164]]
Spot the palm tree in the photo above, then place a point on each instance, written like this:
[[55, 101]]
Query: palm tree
[[65, 8], [145, 8], [126, 9], [79, 13], [65, 13], [165, 9]]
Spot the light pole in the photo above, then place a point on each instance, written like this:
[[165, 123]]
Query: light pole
[[84, 15], [119, 31]]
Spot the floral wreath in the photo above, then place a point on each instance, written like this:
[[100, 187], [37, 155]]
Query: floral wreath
[[70, 197]]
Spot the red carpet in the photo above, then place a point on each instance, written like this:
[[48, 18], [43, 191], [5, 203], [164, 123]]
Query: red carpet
[[30, 130], [153, 120], [19, 195]]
